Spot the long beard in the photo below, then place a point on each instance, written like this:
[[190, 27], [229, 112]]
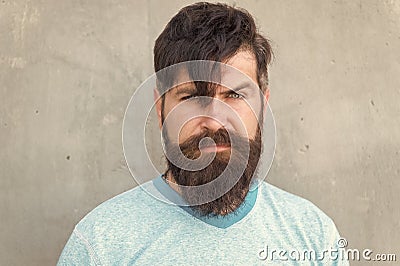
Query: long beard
[[239, 169]]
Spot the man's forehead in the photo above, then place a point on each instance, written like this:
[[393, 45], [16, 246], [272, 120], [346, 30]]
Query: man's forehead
[[226, 79], [245, 62], [238, 66]]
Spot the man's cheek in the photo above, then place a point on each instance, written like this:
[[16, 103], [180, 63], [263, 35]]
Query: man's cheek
[[178, 132], [179, 124]]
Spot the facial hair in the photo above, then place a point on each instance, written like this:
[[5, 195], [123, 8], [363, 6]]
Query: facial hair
[[234, 161]]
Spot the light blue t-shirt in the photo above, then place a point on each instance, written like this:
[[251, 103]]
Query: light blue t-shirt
[[271, 227]]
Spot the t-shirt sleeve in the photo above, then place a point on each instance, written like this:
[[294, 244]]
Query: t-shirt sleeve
[[78, 251]]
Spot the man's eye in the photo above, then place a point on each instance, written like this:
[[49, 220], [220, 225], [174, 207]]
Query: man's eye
[[235, 95], [188, 97]]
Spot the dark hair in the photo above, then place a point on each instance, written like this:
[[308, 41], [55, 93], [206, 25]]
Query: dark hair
[[208, 31]]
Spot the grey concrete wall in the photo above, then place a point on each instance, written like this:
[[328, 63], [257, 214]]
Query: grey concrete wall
[[68, 69]]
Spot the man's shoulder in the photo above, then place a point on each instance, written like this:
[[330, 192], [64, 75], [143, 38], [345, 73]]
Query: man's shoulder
[[129, 208], [298, 222], [279, 196], [119, 227], [294, 209]]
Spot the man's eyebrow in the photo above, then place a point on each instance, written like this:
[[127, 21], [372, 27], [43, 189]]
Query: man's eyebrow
[[242, 86], [185, 90], [192, 90]]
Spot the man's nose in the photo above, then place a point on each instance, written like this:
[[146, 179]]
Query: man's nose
[[215, 115]]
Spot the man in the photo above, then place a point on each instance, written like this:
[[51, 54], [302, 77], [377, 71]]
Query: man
[[211, 121]]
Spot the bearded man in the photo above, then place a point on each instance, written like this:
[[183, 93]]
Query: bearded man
[[211, 97]]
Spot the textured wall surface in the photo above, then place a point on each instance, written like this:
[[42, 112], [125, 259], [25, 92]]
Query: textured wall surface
[[68, 69]]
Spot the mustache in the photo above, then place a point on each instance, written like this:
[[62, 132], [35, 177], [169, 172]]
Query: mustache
[[220, 137]]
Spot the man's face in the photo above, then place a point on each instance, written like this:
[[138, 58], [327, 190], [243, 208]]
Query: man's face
[[228, 113], [245, 102]]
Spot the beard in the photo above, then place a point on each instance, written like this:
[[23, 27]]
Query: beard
[[231, 170]]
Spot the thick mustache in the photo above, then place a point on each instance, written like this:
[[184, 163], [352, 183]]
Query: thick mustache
[[219, 137]]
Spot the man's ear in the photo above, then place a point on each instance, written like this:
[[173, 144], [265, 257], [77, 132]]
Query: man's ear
[[266, 99], [157, 100]]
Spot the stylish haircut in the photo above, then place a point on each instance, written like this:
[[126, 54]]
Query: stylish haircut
[[212, 31]]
